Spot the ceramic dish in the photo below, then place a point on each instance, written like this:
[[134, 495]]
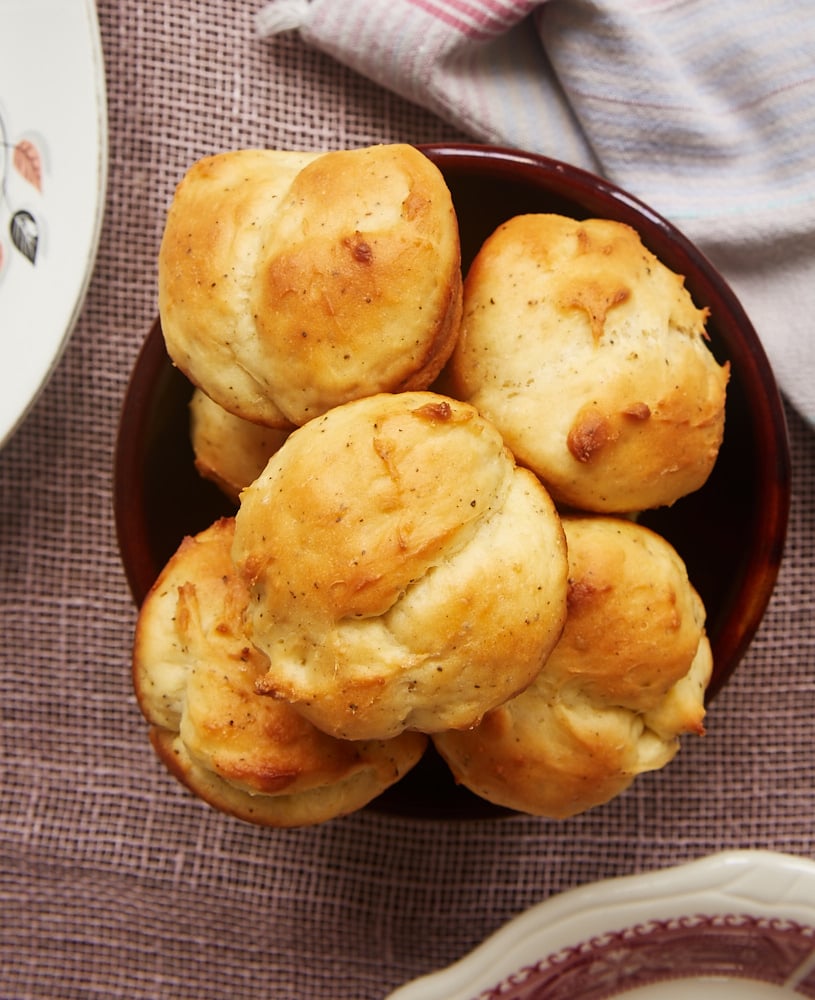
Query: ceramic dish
[[730, 533], [740, 924], [53, 169]]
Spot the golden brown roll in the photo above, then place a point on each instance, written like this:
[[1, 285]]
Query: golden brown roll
[[591, 358], [195, 672], [627, 677], [228, 450], [404, 573], [292, 282]]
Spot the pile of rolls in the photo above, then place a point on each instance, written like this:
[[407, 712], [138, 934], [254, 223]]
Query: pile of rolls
[[436, 483]]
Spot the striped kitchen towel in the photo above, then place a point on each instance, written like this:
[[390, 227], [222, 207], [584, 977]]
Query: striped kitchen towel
[[706, 111]]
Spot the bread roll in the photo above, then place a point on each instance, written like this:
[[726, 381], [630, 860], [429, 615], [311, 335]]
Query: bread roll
[[404, 573], [627, 677], [292, 282], [248, 755], [590, 357], [228, 450]]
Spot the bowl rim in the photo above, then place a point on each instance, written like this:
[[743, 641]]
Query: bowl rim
[[572, 183]]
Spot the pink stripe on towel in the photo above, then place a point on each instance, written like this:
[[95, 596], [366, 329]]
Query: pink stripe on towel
[[479, 21]]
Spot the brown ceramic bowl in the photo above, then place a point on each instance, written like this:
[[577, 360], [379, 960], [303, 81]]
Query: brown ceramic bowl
[[730, 533]]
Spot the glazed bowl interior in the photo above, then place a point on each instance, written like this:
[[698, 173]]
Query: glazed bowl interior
[[730, 533]]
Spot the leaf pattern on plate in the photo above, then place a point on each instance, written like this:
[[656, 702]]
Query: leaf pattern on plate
[[28, 162], [24, 234]]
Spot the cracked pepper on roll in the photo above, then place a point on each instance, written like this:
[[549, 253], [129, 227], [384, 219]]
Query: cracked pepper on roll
[[291, 282], [404, 572], [591, 358], [626, 679], [195, 673]]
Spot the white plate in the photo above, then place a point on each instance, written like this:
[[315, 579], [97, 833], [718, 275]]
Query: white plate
[[737, 924], [53, 173]]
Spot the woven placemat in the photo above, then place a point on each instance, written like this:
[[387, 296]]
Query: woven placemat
[[114, 882]]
